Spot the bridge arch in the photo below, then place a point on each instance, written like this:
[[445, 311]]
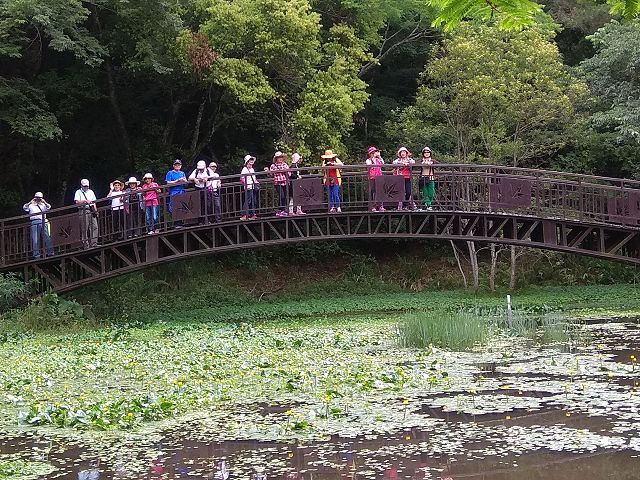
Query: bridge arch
[[568, 213]]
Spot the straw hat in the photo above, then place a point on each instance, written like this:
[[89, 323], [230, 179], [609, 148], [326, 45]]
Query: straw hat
[[117, 181], [147, 175], [329, 154], [133, 180], [248, 158], [403, 149], [279, 154], [201, 165]]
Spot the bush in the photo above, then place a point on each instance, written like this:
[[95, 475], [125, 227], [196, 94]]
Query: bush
[[457, 331], [48, 312], [13, 291]]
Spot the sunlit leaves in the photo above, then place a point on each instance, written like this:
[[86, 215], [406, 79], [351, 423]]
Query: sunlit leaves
[[509, 14], [243, 80]]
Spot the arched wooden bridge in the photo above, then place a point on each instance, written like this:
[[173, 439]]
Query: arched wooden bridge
[[565, 212]]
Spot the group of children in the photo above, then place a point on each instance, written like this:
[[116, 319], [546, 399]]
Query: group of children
[[332, 180], [133, 200]]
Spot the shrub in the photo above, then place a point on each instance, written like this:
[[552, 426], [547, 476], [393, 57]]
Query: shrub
[[13, 291], [48, 312]]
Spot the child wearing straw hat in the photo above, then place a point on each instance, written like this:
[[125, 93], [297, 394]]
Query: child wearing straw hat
[[117, 209], [332, 179], [150, 190]]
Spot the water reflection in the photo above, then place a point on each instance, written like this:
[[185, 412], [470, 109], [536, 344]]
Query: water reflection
[[90, 471]]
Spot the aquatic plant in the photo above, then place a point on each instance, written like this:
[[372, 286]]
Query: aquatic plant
[[457, 331]]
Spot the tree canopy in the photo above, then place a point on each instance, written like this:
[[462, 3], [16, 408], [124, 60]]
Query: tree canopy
[[112, 88]]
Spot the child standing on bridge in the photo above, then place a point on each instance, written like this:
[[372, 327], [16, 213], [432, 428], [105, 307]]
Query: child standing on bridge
[[427, 182], [150, 190], [332, 179], [375, 161], [279, 170], [404, 161]]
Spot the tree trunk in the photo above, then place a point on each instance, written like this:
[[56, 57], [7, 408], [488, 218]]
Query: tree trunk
[[196, 128], [494, 263], [457, 255], [473, 260], [512, 274]]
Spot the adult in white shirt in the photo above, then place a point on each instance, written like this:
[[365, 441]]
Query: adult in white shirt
[[203, 179], [116, 194], [215, 190], [86, 201], [251, 189], [36, 209]]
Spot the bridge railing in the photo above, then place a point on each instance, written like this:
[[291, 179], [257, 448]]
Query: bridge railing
[[459, 187]]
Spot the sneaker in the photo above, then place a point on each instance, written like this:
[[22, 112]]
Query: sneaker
[[243, 217], [339, 210], [381, 209], [300, 212], [373, 210], [333, 210], [254, 217], [429, 208], [150, 233], [156, 231]]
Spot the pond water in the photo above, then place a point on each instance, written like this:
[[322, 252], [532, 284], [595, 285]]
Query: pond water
[[552, 412]]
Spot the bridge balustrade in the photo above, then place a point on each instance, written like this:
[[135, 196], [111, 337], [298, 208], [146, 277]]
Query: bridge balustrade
[[459, 188]]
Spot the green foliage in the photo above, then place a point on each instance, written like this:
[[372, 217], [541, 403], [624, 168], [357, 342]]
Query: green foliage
[[25, 110], [12, 468], [510, 14], [59, 23], [243, 80], [492, 96], [612, 77], [455, 331], [48, 312], [13, 291]]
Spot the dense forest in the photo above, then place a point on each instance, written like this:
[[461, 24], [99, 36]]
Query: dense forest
[[111, 88]]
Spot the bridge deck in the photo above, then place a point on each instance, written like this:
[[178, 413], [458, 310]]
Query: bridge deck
[[570, 213]]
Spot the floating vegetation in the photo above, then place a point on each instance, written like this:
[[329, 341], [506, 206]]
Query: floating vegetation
[[14, 468], [265, 398]]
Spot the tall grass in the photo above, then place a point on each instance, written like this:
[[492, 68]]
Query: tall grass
[[456, 331]]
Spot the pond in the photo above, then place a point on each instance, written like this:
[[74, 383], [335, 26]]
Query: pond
[[514, 410]]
